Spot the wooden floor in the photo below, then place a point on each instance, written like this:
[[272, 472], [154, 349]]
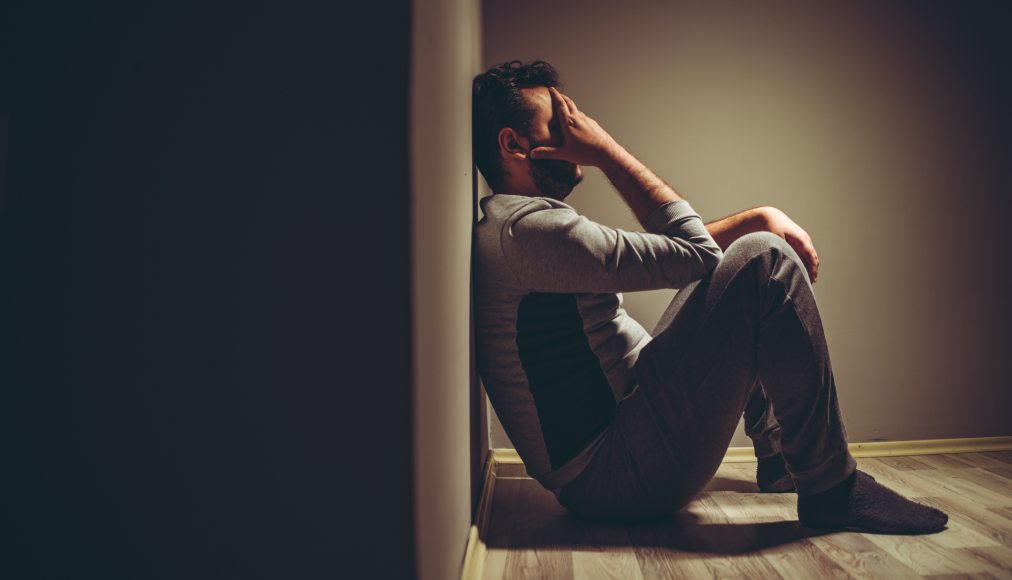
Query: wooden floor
[[731, 530]]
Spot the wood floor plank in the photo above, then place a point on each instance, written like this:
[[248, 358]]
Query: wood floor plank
[[755, 508], [734, 477], [1002, 456], [905, 463], [992, 479], [609, 565], [861, 558], [534, 563], [661, 552], [976, 576], [981, 460], [601, 550], [537, 550], [727, 549], [804, 560], [961, 531], [495, 564], [739, 566], [922, 556], [504, 498], [946, 461], [999, 558], [1003, 512], [1004, 472], [732, 531], [975, 517], [746, 542], [961, 486]]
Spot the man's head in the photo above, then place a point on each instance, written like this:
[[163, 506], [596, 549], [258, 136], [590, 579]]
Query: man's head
[[512, 114]]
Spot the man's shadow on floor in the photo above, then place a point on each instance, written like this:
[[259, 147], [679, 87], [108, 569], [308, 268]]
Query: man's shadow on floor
[[546, 528]]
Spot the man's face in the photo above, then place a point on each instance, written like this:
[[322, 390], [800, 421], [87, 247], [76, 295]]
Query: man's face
[[554, 178]]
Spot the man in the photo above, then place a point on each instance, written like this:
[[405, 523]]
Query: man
[[624, 425]]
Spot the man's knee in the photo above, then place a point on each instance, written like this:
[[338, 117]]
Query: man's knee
[[748, 248], [751, 245]]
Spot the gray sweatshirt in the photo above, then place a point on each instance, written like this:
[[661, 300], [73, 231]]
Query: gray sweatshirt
[[555, 348]]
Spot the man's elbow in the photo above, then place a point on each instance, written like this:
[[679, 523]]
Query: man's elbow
[[710, 255]]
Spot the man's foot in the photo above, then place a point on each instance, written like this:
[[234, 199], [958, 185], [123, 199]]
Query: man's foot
[[771, 475], [861, 504]]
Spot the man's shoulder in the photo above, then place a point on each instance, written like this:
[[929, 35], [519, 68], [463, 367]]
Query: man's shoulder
[[506, 208]]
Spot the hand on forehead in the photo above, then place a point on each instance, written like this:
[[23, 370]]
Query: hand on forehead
[[545, 115]]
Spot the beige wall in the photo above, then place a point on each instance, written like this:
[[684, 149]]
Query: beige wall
[[445, 49], [871, 125]]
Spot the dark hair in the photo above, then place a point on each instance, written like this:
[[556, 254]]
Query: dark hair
[[497, 103]]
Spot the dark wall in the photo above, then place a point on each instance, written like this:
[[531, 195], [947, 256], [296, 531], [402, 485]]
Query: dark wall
[[206, 270]]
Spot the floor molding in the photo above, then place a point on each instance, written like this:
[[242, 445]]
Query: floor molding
[[898, 448], [474, 555]]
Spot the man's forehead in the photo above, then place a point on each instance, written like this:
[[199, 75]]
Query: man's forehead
[[540, 99]]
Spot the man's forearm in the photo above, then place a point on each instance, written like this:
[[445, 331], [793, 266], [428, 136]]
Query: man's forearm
[[644, 191], [726, 230], [641, 188]]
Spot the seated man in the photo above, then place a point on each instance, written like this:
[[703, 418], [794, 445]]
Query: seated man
[[624, 425]]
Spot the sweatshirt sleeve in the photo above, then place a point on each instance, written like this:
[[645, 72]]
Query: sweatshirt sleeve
[[555, 249]]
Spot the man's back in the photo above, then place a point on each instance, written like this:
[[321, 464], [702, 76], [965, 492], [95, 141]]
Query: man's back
[[555, 348]]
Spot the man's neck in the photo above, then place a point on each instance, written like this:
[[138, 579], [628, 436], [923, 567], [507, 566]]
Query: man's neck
[[526, 190]]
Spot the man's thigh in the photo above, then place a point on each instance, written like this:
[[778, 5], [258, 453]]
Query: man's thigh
[[676, 304], [695, 376]]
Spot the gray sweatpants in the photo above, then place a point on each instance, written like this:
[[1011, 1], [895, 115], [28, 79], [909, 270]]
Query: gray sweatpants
[[747, 339]]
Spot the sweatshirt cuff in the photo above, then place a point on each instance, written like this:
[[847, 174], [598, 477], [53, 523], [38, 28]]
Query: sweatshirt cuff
[[667, 214]]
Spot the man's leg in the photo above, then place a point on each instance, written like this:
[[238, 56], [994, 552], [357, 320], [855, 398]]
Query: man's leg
[[760, 423], [762, 428], [755, 318]]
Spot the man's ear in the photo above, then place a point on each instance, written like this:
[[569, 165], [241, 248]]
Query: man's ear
[[511, 144]]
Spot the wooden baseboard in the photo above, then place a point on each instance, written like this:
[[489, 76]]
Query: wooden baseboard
[[897, 448], [474, 555]]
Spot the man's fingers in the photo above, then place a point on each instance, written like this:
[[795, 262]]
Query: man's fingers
[[813, 266], [545, 153], [572, 105], [813, 263], [560, 102], [806, 251]]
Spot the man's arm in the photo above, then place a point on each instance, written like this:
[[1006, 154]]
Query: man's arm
[[726, 230], [766, 219], [586, 143], [573, 254]]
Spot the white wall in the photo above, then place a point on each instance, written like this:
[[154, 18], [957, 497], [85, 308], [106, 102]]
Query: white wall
[[870, 124], [445, 57]]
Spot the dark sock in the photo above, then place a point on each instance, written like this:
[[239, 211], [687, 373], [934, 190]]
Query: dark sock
[[771, 475], [862, 504]]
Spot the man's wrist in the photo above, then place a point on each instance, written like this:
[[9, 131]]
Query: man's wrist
[[611, 155]]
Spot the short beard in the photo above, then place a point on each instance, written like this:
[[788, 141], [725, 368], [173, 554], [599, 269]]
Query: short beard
[[554, 178]]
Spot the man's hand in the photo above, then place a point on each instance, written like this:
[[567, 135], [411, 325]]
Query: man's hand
[[778, 223], [584, 142]]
